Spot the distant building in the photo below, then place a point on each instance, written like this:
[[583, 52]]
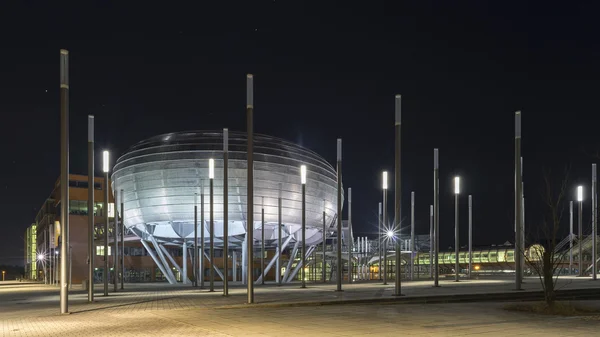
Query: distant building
[[31, 252]]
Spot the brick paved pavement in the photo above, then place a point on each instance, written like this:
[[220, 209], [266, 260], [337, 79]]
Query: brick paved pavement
[[162, 310]]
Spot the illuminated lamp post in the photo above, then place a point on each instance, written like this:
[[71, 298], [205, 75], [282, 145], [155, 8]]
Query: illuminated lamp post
[[211, 248], [105, 163], [385, 188], [303, 181], [580, 229], [456, 243]]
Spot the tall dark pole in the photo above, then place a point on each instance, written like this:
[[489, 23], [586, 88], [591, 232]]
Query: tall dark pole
[[456, 232], [106, 272], [195, 257], [278, 273], [594, 222], [225, 212], [201, 271], [122, 241], [116, 238], [398, 195], [431, 241], [350, 236], [211, 247], [470, 234], [385, 221], [262, 241], [339, 215], [90, 206], [380, 242], [303, 263], [580, 229], [250, 182], [436, 217], [518, 203], [64, 179], [324, 263]]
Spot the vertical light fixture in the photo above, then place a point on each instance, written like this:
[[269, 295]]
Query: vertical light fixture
[[470, 234], [570, 237], [122, 200], [106, 273], [385, 224], [225, 212], [350, 236], [456, 241], [412, 235], [202, 224], [436, 217], [115, 237], [250, 185], [580, 228], [431, 241], [303, 181], [380, 241], [324, 263], [339, 215], [211, 248], [90, 206], [262, 240], [64, 178], [398, 193], [195, 257], [518, 204], [594, 222]]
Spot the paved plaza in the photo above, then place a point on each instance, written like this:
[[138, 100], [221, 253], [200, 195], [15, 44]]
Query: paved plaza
[[163, 310]]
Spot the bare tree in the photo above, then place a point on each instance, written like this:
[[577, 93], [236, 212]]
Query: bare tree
[[543, 258]]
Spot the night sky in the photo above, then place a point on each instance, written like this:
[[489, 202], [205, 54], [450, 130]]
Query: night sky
[[322, 71]]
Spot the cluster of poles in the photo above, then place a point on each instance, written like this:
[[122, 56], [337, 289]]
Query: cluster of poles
[[394, 228]]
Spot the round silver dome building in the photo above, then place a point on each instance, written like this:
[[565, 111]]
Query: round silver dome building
[[163, 177]]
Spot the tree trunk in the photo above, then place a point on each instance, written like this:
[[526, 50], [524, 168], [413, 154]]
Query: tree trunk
[[548, 278]]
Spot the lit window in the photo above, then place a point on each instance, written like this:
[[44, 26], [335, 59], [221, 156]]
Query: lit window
[[100, 250]]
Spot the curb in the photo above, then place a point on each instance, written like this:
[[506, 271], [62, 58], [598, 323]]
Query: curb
[[574, 294]]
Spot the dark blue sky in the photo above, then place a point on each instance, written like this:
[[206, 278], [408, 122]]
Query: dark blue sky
[[322, 71]]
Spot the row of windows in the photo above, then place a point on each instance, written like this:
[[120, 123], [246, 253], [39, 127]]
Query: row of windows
[[80, 207], [83, 184]]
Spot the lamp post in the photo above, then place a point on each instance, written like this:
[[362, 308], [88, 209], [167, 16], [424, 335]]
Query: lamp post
[[380, 242], [115, 238], [518, 204], [350, 236], [211, 248], [64, 178], [278, 273], [324, 263], [570, 237], [105, 158], [431, 241], [201, 267], [579, 228], [250, 182], [226, 212], [90, 206], [412, 235], [195, 257], [339, 215], [122, 200], [456, 243], [470, 234], [262, 240], [398, 195], [303, 180], [436, 217], [385, 187], [594, 221]]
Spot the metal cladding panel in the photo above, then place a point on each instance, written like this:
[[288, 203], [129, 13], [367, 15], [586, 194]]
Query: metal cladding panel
[[161, 176]]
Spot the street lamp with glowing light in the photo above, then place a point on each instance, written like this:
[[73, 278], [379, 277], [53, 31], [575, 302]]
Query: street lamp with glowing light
[[579, 193]]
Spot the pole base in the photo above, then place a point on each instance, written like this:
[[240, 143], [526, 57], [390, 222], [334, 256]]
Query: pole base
[[437, 286], [397, 294], [339, 290]]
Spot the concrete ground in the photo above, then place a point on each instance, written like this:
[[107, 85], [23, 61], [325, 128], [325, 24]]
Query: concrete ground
[[163, 310]]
